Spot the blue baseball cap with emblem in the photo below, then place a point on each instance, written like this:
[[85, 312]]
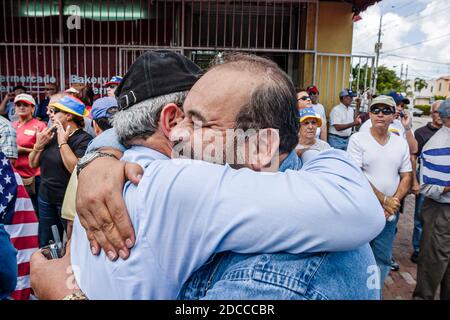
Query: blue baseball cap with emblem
[[114, 80], [104, 107], [346, 92], [398, 97]]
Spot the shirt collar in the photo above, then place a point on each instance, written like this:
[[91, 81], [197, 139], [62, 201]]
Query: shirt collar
[[431, 127], [292, 162]]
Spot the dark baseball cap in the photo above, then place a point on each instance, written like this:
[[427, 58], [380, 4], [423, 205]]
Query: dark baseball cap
[[156, 73], [346, 92], [398, 97]]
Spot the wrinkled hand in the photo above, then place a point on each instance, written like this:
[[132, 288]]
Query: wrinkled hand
[[52, 279], [406, 120], [63, 134], [415, 188], [43, 137], [391, 205], [101, 208], [358, 121]]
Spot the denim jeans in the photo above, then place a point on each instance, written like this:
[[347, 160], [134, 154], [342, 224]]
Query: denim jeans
[[382, 248], [338, 142], [417, 232], [319, 276], [49, 215]]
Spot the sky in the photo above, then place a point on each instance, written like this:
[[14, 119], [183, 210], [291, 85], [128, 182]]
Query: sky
[[411, 31]]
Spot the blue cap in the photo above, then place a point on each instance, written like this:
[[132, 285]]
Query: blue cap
[[398, 97], [346, 92], [444, 109], [114, 80], [104, 108], [71, 105]]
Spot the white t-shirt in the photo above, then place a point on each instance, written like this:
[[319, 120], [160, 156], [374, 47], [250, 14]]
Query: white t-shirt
[[395, 127], [318, 108], [382, 165], [341, 114]]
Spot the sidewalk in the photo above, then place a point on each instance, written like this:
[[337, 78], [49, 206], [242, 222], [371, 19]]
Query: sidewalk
[[400, 284]]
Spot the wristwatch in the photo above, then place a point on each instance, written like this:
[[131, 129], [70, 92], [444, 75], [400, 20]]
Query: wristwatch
[[88, 158]]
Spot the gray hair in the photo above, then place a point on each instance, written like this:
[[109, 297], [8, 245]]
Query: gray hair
[[140, 121]]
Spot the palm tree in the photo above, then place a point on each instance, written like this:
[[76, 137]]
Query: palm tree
[[419, 84]]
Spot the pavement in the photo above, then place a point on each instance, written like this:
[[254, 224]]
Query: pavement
[[400, 284]]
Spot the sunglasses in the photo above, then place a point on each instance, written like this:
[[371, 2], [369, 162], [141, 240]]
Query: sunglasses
[[304, 98], [385, 111], [53, 110]]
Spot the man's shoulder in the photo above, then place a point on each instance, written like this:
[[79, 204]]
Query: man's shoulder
[[360, 136]]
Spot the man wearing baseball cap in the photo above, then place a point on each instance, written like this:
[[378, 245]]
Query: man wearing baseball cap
[[433, 268], [342, 120], [319, 108], [112, 85], [384, 159]]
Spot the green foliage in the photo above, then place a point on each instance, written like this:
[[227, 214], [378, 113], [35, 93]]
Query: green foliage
[[387, 79], [440, 98], [425, 108], [419, 84]]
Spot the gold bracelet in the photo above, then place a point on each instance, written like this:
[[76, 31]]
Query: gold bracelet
[[79, 295]]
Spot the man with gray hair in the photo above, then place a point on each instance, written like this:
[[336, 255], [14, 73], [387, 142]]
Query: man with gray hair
[[433, 269], [422, 135], [183, 212]]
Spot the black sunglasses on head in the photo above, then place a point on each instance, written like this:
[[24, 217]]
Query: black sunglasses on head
[[304, 98], [385, 111]]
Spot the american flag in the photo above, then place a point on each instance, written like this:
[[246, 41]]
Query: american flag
[[21, 223]]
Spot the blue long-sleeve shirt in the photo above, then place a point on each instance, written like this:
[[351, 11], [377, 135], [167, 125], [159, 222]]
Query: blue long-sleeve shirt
[[8, 265], [184, 211]]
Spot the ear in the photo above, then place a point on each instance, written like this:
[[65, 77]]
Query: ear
[[171, 115], [264, 150], [96, 128]]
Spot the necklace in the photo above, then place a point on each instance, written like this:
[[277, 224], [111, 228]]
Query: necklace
[[73, 132]]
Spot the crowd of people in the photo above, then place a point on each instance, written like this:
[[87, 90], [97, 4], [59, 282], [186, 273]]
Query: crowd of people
[[215, 228]]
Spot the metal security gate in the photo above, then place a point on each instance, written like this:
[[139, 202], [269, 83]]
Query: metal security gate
[[335, 72], [67, 41]]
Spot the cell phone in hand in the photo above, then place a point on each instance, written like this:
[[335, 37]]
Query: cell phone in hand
[[55, 250], [402, 114]]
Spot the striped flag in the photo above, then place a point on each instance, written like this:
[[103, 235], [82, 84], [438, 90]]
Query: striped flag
[[18, 216]]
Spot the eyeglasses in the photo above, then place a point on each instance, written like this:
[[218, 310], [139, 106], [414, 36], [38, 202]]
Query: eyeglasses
[[304, 98], [385, 111]]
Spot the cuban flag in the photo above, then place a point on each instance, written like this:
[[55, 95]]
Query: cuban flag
[[18, 216]]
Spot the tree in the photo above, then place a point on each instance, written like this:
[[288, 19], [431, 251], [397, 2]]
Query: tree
[[419, 84], [388, 81], [362, 77]]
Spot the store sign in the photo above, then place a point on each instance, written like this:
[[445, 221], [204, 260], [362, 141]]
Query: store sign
[[8, 82]]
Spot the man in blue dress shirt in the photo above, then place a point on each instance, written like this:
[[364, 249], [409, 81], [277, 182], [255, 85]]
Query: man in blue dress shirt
[[183, 212]]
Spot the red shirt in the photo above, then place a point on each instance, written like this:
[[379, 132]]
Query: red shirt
[[26, 137]]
